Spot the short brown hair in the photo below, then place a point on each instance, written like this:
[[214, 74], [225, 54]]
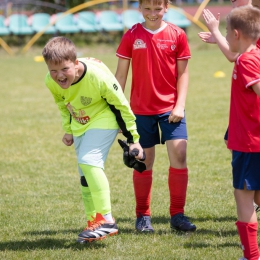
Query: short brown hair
[[166, 2], [245, 19], [59, 49]]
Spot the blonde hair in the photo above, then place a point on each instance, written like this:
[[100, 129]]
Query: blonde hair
[[59, 49], [246, 19], [156, 2]]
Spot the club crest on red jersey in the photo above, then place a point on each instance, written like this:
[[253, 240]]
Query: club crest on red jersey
[[139, 44], [173, 47]]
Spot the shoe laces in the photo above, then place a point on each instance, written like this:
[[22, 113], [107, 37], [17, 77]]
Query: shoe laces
[[95, 223], [180, 219], [89, 224]]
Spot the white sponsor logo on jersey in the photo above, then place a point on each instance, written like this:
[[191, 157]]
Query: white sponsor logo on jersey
[[162, 46], [139, 44]]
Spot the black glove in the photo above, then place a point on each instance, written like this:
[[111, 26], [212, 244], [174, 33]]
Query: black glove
[[129, 157]]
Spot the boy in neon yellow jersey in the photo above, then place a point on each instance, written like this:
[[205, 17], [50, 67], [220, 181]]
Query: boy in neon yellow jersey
[[93, 108]]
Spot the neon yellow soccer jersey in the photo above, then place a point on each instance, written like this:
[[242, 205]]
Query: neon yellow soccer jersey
[[96, 100]]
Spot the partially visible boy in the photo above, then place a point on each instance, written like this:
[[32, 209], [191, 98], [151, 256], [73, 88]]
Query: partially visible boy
[[215, 36], [243, 31], [92, 107]]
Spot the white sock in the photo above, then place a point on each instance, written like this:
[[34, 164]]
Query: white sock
[[108, 217]]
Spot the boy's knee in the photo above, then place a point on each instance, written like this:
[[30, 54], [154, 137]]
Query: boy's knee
[[83, 181], [181, 155]]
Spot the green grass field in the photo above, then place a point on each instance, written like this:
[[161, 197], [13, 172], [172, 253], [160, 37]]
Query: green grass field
[[40, 200]]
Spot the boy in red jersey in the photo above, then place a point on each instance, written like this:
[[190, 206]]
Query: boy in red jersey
[[215, 36], [243, 31], [159, 53]]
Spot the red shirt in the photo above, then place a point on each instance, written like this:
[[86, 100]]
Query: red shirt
[[244, 117], [154, 66]]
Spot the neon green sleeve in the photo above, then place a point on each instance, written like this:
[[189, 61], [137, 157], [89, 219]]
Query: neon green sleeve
[[114, 96]]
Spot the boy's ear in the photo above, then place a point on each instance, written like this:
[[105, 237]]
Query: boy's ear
[[237, 34]]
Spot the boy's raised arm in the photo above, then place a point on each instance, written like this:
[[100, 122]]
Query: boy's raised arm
[[215, 36]]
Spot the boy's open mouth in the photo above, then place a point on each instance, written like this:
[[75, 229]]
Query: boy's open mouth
[[63, 81]]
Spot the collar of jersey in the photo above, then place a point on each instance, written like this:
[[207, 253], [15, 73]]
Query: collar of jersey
[[156, 31]]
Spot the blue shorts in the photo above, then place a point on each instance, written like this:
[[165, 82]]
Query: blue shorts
[[246, 170], [148, 129], [93, 146]]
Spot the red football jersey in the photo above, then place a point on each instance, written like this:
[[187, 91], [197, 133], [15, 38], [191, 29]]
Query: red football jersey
[[258, 43], [154, 56], [244, 118]]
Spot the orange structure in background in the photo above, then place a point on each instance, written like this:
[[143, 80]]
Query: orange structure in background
[[194, 19]]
